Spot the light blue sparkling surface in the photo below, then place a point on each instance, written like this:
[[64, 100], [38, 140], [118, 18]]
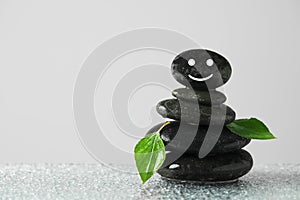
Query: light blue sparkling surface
[[94, 181]]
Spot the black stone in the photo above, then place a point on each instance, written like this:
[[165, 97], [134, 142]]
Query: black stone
[[227, 141], [221, 167], [193, 113], [212, 97], [215, 75]]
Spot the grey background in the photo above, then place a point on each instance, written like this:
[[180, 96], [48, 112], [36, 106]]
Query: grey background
[[44, 43]]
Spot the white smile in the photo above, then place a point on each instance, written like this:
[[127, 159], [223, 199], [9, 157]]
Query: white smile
[[200, 79]]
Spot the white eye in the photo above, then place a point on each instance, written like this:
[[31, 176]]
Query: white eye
[[209, 62], [174, 166], [191, 62]]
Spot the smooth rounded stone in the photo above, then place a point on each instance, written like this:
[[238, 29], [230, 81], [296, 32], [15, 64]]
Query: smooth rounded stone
[[211, 97], [227, 141], [218, 168], [201, 69], [195, 114]]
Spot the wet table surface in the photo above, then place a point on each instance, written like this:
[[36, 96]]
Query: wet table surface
[[95, 181]]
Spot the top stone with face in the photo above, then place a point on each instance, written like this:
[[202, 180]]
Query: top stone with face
[[201, 69]]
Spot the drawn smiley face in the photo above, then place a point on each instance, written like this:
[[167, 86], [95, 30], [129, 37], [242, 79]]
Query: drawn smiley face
[[201, 69]]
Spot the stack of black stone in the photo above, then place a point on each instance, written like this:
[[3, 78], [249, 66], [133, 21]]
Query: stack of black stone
[[200, 118]]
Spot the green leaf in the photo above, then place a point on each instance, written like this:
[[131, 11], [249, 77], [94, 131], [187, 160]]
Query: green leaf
[[150, 154], [250, 128]]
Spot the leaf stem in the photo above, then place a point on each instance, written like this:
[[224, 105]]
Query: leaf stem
[[165, 124]]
